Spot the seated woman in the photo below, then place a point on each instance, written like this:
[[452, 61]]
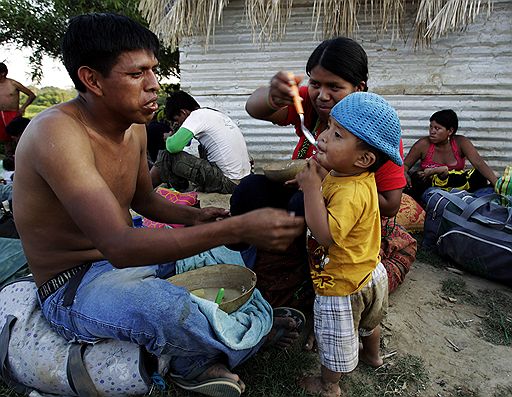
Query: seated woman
[[443, 157], [336, 68]]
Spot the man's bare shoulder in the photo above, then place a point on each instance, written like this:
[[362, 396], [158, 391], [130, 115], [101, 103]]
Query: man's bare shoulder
[[57, 126], [55, 118], [15, 83]]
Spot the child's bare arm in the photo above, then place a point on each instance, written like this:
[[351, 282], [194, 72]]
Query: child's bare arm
[[310, 181]]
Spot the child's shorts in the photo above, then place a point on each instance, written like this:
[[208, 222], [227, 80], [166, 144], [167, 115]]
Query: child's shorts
[[339, 318]]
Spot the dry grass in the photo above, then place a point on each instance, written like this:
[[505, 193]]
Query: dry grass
[[269, 18]]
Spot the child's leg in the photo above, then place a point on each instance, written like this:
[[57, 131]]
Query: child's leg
[[337, 344], [370, 353], [326, 385]]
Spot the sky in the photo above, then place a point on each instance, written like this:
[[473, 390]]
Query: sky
[[54, 73]]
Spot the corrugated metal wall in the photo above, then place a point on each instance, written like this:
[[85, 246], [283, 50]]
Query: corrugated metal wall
[[470, 72]]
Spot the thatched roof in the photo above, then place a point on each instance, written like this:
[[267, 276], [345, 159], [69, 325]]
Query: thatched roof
[[173, 19]]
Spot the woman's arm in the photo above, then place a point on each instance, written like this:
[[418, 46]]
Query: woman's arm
[[389, 202], [470, 152], [270, 103], [416, 153]]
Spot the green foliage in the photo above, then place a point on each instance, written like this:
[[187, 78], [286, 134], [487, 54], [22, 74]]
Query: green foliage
[[40, 25], [49, 96]]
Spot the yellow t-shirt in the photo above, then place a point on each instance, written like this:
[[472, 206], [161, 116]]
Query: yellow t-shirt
[[354, 221]]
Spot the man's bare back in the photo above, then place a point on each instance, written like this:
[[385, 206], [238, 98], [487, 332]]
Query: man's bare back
[[53, 242]]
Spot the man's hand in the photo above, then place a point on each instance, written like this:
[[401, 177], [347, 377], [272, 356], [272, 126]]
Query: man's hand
[[210, 214], [271, 229]]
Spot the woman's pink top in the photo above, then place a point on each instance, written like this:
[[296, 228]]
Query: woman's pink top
[[427, 162]]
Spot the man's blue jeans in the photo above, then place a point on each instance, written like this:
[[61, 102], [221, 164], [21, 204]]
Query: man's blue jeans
[[139, 305]]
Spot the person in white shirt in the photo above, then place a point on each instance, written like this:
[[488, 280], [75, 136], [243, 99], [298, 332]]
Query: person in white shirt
[[224, 159]]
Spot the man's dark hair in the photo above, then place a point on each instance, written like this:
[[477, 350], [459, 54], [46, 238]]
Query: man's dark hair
[[17, 126], [97, 40], [447, 118], [177, 101], [3, 68], [8, 163]]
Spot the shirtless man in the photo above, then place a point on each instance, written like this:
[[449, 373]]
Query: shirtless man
[[10, 105], [74, 221]]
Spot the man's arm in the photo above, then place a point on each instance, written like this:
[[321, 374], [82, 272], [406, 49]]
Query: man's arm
[[26, 91], [96, 211], [177, 141]]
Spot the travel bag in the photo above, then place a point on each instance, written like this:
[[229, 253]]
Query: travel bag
[[474, 232], [35, 359]]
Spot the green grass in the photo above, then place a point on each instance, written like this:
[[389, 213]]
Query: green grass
[[497, 306], [404, 376], [497, 325], [274, 373]]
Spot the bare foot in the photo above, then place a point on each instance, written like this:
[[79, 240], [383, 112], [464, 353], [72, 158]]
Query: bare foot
[[220, 371], [283, 333], [310, 344], [314, 385], [372, 361]]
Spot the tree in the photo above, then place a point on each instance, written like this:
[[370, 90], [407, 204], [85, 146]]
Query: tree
[[40, 25]]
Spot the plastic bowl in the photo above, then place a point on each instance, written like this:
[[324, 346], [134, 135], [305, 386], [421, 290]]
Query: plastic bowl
[[238, 283], [283, 170]]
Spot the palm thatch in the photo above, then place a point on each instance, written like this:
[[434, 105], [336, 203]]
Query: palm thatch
[[172, 20]]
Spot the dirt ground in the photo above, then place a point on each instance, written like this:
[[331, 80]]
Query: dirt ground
[[447, 331]]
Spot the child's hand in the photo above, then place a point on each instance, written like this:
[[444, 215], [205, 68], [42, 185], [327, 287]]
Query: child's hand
[[310, 177]]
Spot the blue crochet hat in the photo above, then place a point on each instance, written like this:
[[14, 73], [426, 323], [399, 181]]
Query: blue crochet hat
[[372, 119]]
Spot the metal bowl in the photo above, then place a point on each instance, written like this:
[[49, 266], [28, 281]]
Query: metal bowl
[[238, 283], [283, 170]]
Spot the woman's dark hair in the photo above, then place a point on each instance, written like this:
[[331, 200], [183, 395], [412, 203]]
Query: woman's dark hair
[[447, 118], [343, 57], [96, 40], [177, 101]]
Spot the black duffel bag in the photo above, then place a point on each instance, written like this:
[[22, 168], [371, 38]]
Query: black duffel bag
[[474, 232]]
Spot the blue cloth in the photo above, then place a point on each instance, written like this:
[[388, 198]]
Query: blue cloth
[[244, 328], [140, 305], [5, 192], [12, 258]]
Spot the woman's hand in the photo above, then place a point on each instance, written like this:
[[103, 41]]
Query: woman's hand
[[280, 93]]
